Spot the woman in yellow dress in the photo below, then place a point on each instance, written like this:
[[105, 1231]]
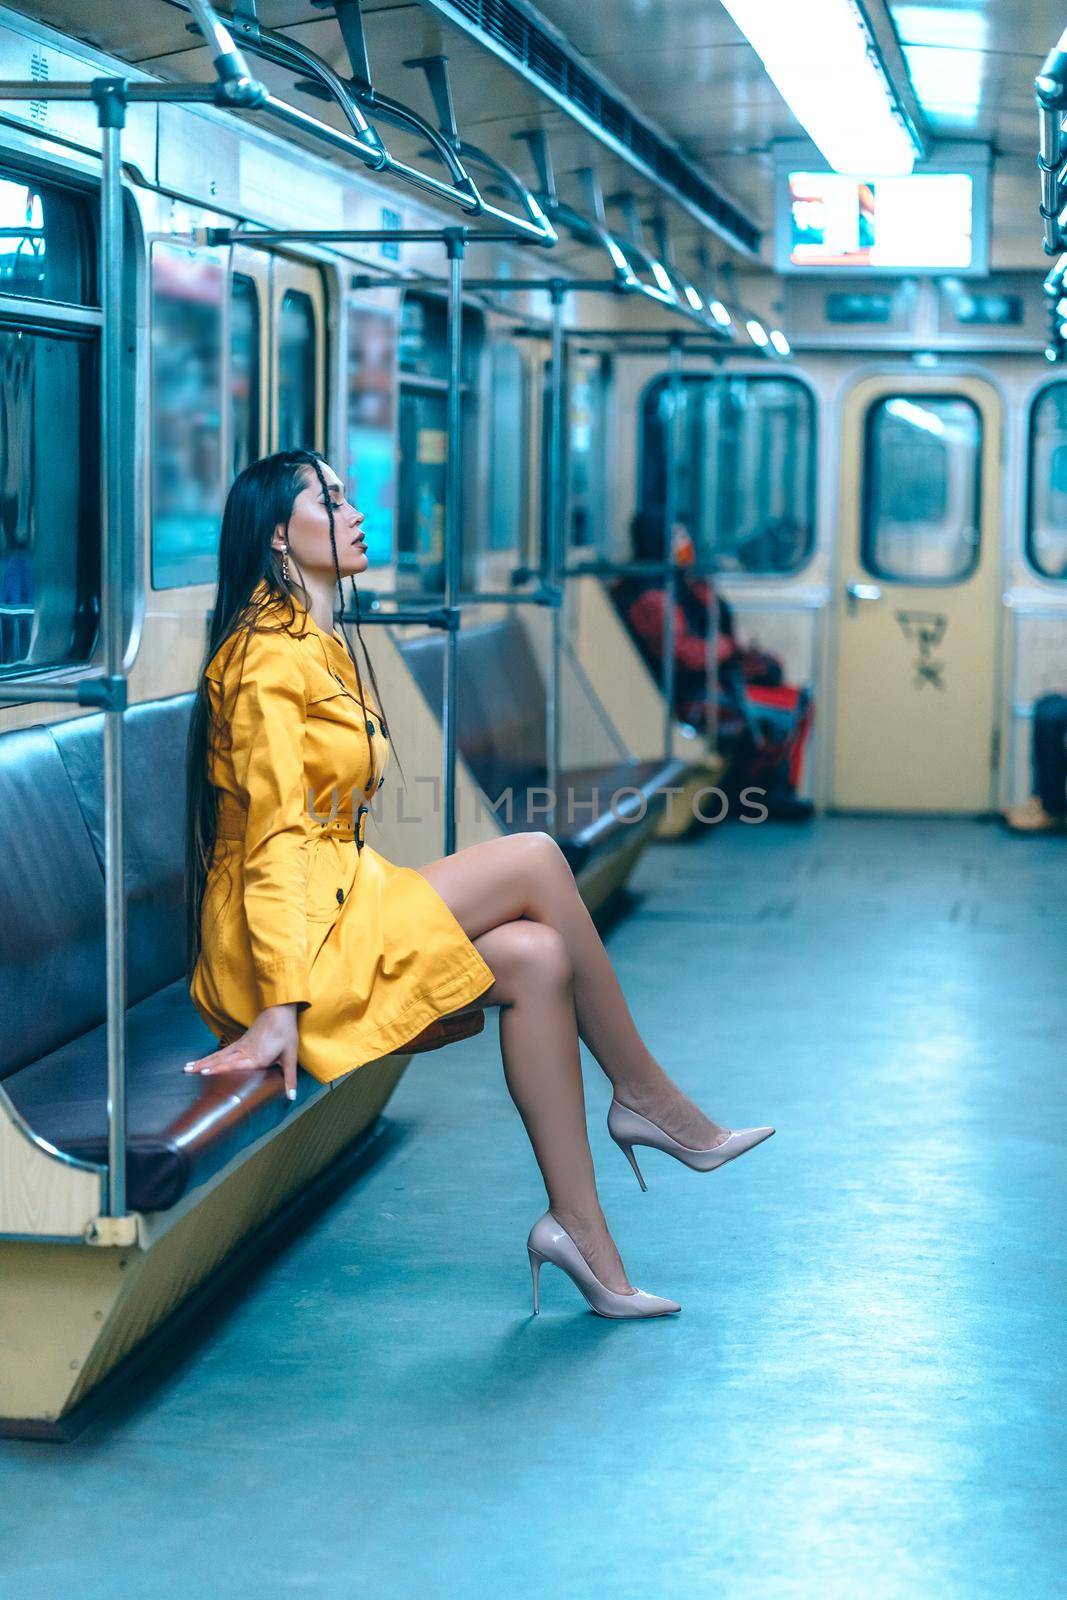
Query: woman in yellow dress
[[305, 945]]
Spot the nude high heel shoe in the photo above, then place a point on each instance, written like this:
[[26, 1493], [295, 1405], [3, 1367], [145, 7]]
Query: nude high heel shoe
[[628, 1128], [550, 1241]]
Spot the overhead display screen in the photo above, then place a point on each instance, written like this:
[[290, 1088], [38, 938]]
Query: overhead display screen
[[921, 222]]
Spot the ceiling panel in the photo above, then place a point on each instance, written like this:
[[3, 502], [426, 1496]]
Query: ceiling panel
[[682, 64]]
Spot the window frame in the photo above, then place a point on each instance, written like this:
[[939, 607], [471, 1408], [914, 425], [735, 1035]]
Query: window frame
[[868, 565], [811, 399]]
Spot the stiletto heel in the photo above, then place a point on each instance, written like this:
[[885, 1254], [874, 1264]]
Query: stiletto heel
[[550, 1241], [628, 1128], [628, 1152], [535, 1269]]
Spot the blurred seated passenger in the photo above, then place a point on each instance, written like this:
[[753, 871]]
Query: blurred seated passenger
[[761, 722], [1046, 810]]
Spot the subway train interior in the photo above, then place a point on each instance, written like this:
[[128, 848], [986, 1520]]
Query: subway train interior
[[699, 368]]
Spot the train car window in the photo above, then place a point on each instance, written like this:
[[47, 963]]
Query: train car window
[[922, 462], [423, 464], [587, 430], [188, 287], [1046, 534], [296, 371], [424, 337], [49, 497], [423, 344], [371, 411], [245, 376], [746, 469], [423, 439], [508, 429], [49, 429], [45, 243]]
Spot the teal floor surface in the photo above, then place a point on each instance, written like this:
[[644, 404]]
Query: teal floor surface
[[863, 1395]]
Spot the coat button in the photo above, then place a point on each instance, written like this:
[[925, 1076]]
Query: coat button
[[370, 729], [340, 897]]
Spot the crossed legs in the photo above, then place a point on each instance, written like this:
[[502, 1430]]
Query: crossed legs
[[517, 901]]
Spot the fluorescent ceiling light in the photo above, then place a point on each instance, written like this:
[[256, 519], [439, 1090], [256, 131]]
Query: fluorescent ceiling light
[[756, 332], [720, 313], [693, 298], [779, 341], [822, 61]]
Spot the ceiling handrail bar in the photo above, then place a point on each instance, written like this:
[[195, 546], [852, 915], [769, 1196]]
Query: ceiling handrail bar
[[661, 288], [535, 223], [444, 141], [350, 95]]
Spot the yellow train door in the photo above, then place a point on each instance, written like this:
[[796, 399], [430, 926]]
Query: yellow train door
[[916, 607]]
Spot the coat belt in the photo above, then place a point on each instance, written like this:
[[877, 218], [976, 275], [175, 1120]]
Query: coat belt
[[231, 825]]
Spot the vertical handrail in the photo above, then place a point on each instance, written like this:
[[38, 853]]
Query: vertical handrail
[[110, 97], [456, 246], [556, 542], [672, 453]]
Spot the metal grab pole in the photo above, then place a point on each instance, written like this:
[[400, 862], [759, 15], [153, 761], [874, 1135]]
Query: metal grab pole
[[456, 246], [672, 458], [110, 96], [556, 544]]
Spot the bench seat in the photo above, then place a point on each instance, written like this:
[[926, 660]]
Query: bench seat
[[181, 1128]]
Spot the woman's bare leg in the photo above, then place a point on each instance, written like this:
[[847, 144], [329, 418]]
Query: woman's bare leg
[[539, 1044], [525, 875]]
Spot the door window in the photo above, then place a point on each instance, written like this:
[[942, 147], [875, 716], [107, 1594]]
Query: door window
[[296, 372], [245, 377], [922, 464], [1046, 543]]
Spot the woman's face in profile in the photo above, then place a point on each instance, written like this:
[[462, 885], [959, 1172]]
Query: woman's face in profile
[[309, 529]]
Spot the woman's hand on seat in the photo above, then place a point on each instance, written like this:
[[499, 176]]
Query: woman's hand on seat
[[270, 1041]]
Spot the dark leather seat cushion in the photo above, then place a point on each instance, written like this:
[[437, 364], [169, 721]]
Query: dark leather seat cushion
[[180, 1128]]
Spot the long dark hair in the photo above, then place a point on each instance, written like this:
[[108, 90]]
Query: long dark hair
[[261, 499]]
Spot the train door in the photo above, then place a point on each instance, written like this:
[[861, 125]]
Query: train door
[[917, 600], [298, 356]]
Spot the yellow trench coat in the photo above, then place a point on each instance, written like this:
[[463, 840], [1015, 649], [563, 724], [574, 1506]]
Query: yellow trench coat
[[297, 907]]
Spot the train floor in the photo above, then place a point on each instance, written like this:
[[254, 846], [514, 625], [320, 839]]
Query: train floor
[[863, 1391]]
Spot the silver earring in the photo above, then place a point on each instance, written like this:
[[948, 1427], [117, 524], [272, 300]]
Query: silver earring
[[285, 564]]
